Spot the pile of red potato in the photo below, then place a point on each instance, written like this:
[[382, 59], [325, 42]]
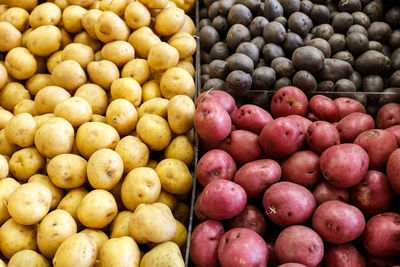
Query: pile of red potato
[[315, 184]]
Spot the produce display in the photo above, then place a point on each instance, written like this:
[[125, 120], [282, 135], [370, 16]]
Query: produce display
[[96, 132]]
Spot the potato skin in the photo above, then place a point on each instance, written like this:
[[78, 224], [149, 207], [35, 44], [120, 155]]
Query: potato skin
[[125, 247]]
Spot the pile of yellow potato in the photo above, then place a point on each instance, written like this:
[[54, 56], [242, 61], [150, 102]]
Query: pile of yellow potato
[[96, 132]]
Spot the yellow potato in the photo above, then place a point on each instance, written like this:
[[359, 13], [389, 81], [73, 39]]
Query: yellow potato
[[15, 237], [154, 131], [28, 257], [26, 162], [4, 169], [25, 36], [118, 52], [103, 73], [97, 235], [45, 14], [6, 148], [168, 199], [189, 25], [187, 65], [84, 3], [67, 170], [165, 254], [104, 169], [7, 186], [110, 27], [12, 94], [81, 53], [157, 106], [154, 3], [116, 192], [3, 75], [92, 136], [98, 118], [89, 21], [54, 137], [97, 209], [120, 225], [54, 229], [116, 6], [181, 114], [184, 43], [5, 116], [11, 37], [137, 15], [180, 237], [180, 148], [72, 18], [76, 110], [41, 119], [44, 40], [26, 106], [142, 40], [53, 61], [169, 21], [68, 74], [78, 250], [152, 223], [122, 115], [20, 63], [177, 81], [163, 56], [134, 153], [56, 193], [61, 3], [16, 16], [48, 97], [29, 203], [65, 37], [95, 96], [150, 90], [175, 176], [125, 247], [84, 38], [137, 69], [71, 201], [127, 88], [21, 129], [97, 56], [27, 4]]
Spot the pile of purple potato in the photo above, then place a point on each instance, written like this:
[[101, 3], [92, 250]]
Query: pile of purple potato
[[312, 182]]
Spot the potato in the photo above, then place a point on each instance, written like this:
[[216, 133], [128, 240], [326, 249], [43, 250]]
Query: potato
[[12, 94], [78, 250], [137, 15], [163, 56], [116, 192], [20, 63], [97, 209], [180, 237], [7, 186], [175, 176], [168, 199], [15, 237], [120, 225], [104, 169], [103, 73], [21, 129], [182, 213], [189, 25], [53, 61], [157, 106], [11, 36], [187, 65], [154, 3], [72, 18], [152, 223], [6, 148], [3, 75], [26, 162], [68, 74], [53, 230], [122, 115], [137, 69], [116, 6], [65, 38], [16, 16], [71, 201], [54, 137], [180, 148], [48, 97], [95, 96], [154, 131], [27, 4], [97, 235], [28, 257], [134, 153], [84, 38], [98, 118], [92, 136], [26, 106], [29, 203], [142, 40], [167, 253], [81, 53], [56, 193], [150, 90], [109, 27], [5, 116], [76, 110], [128, 89], [184, 43], [141, 185], [45, 14], [118, 52], [67, 170], [124, 246], [177, 81], [169, 21], [83, 3], [89, 21], [181, 114], [4, 169], [25, 36]]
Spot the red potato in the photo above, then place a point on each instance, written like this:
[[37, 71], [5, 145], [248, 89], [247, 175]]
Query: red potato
[[373, 195], [242, 247], [353, 125], [212, 121], [215, 164], [297, 236], [243, 146], [251, 218], [381, 236], [292, 265], [379, 144], [222, 199], [220, 97], [251, 118], [344, 165], [302, 168], [205, 146], [304, 122], [288, 203], [289, 100], [256, 176], [197, 208], [324, 192], [345, 255], [373, 261], [204, 243], [312, 117], [347, 106], [281, 137], [393, 170], [273, 259], [322, 135], [395, 130], [324, 108], [388, 116], [338, 222]]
